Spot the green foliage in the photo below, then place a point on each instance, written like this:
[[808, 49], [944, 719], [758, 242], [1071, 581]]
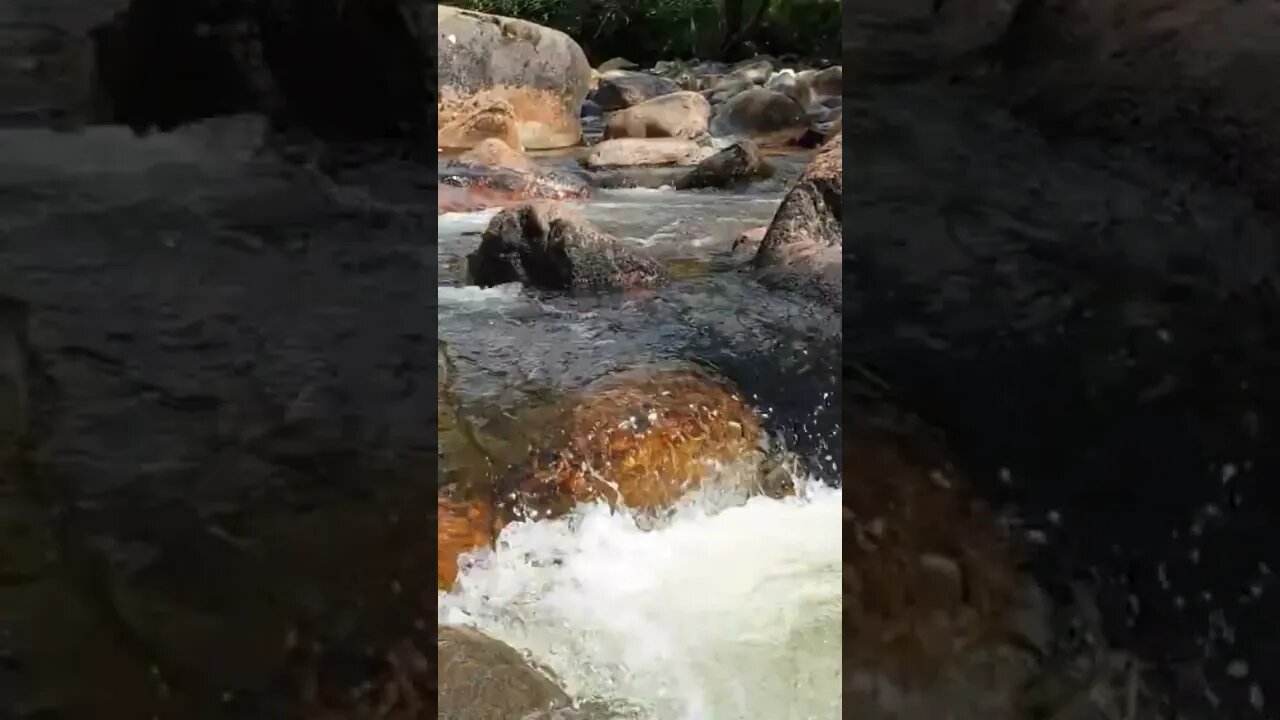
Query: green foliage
[[645, 31]]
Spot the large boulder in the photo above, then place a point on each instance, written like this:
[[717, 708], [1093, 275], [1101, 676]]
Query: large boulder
[[803, 248], [481, 678], [634, 152], [1192, 79], [496, 121], [768, 117], [542, 73], [543, 245], [620, 89], [680, 115]]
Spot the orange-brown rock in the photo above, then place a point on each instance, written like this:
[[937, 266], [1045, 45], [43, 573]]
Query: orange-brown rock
[[496, 120], [541, 74], [643, 439], [803, 249], [461, 527]]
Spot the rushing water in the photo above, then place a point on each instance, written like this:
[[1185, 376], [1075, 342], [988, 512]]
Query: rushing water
[[727, 610], [729, 614]]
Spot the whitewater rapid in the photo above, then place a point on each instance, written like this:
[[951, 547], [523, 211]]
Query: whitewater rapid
[[718, 613]]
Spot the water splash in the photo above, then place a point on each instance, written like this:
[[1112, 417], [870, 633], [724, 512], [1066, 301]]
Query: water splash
[[717, 613]]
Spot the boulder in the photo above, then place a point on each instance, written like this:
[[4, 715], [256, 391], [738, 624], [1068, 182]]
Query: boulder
[[541, 73], [726, 88], [620, 89], [768, 117], [818, 86], [736, 165], [642, 439], [468, 185], [803, 249], [1191, 79], [495, 121], [617, 63], [481, 678], [747, 244], [545, 246], [754, 71], [679, 115], [631, 152]]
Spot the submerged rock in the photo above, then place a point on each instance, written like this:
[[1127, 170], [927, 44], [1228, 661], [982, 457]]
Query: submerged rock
[[481, 678], [803, 249], [545, 246], [738, 164], [541, 73], [467, 187], [643, 439]]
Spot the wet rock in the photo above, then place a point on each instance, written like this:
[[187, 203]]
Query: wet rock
[[620, 89], [15, 377], [461, 527], [469, 187], [632, 152], [481, 678], [819, 86], [765, 116], [545, 246], [1190, 78], [497, 120], [541, 73], [495, 153], [724, 90], [591, 110], [678, 115], [803, 249], [636, 177], [736, 165], [747, 244], [905, 39], [642, 439]]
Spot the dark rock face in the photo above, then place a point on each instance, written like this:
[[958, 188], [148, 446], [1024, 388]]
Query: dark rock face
[[541, 73], [620, 89], [803, 248], [543, 246], [736, 165], [894, 40], [15, 377]]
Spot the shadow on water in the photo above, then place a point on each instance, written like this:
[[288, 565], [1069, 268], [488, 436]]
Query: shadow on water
[[1096, 334]]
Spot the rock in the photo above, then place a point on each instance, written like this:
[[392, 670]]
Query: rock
[[460, 528], [655, 434], [747, 244], [781, 81], [481, 678], [543, 245], [756, 72], [497, 121], [630, 152], [768, 117], [15, 376], [616, 64], [819, 86], [905, 39], [803, 248], [1191, 79], [541, 73], [495, 153], [678, 115], [468, 187], [725, 89], [620, 89], [591, 110], [738, 164]]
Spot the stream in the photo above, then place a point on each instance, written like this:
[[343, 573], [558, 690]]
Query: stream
[[730, 607]]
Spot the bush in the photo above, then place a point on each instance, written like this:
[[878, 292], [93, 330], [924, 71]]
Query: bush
[[646, 31]]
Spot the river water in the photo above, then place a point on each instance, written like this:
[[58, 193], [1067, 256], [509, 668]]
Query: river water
[[729, 609]]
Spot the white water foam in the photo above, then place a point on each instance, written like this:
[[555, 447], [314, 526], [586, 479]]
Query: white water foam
[[729, 615]]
